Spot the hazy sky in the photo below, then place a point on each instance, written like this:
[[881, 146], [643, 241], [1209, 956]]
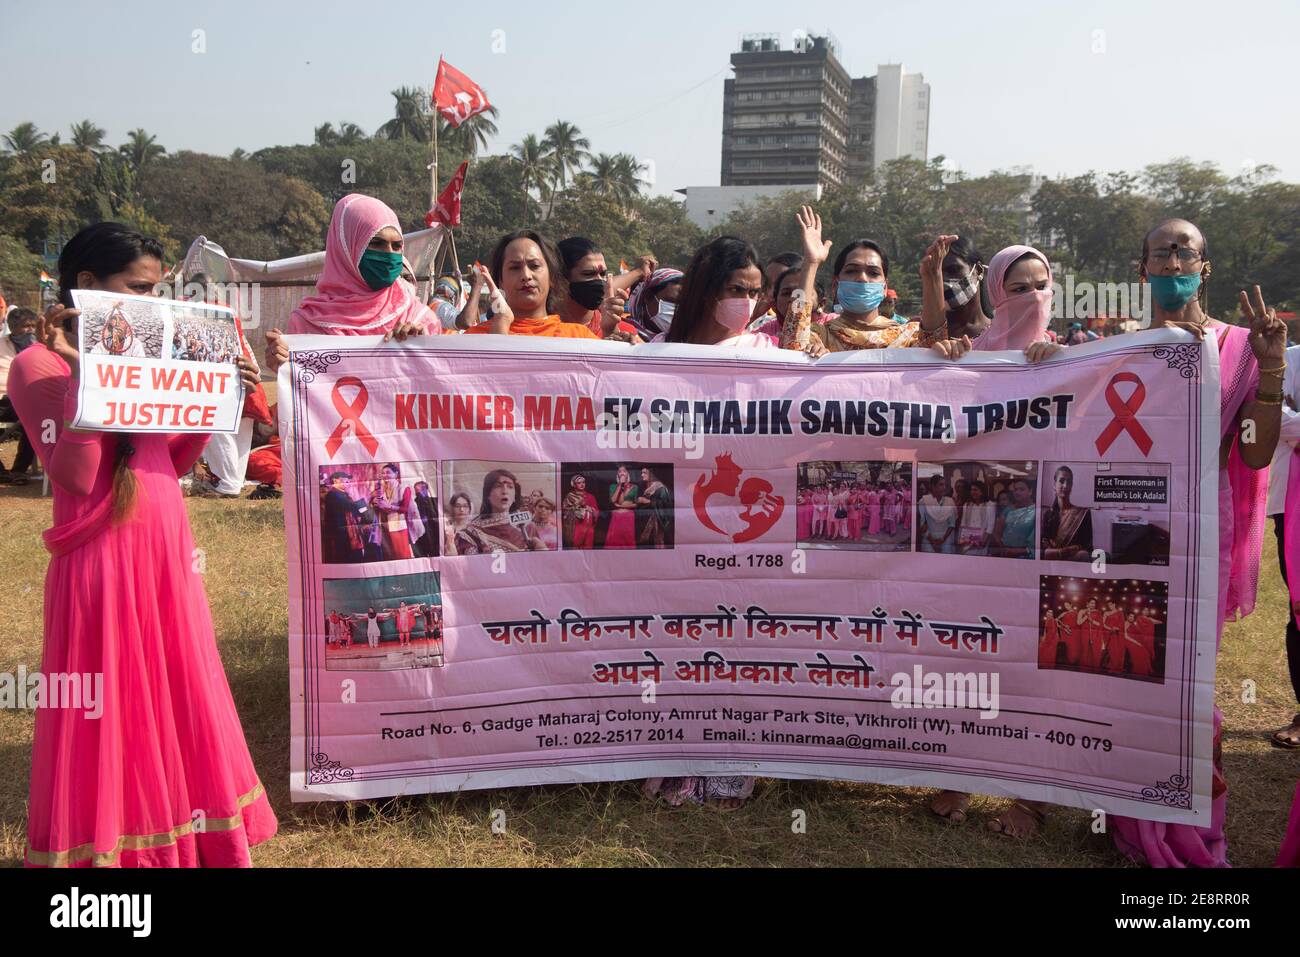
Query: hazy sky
[[1062, 87]]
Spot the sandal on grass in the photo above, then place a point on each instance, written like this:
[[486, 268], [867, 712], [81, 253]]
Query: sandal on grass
[[1288, 739], [1007, 828]]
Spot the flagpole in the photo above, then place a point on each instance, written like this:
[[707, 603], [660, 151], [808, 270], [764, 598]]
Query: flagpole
[[433, 168]]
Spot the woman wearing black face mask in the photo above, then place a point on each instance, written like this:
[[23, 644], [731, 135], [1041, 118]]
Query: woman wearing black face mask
[[591, 285], [22, 333]]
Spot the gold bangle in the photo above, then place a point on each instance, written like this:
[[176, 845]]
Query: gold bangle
[[1280, 370], [1270, 398]]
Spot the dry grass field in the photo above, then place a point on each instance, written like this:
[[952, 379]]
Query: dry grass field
[[608, 824]]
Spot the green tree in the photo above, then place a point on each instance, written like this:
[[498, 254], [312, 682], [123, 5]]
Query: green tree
[[494, 205], [472, 135], [24, 138], [412, 116], [141, 149], [1182, 188], [569, 148], [20, 271], [42, 200], [252, 213], [87, 136], [536, 166]]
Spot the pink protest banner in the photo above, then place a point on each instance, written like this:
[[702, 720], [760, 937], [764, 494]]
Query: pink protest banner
[[156, 365], [518, 562]]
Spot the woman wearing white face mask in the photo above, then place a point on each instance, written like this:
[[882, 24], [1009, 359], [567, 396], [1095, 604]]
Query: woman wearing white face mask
[[653, 303]]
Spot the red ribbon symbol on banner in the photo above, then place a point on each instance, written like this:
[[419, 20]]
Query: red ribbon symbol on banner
[[1126, 419], [350, 418]]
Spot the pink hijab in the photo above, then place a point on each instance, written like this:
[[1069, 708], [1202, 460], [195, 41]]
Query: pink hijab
[[1019, 320], [344, 305]]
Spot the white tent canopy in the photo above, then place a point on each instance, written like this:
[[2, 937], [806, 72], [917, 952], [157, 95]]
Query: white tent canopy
[[265, 294]]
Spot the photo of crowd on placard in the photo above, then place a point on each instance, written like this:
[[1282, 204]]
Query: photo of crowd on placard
[[125, 328], [620, 505], [1095, 626], [980, 509], [855, 506], [500, 507], [203, 336], [378, 513], [384, 624], [1119, 513]]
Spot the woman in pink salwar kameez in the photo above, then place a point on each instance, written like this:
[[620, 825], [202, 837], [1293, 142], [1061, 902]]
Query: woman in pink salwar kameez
[[873, 511], [803, 511], [888, 511], [162, 777], [1251, 362]]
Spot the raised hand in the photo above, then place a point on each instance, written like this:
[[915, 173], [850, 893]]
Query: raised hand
[[932, 261], [1267, 331], [613, 307], [815, 249], [502, 315], [934, 308]]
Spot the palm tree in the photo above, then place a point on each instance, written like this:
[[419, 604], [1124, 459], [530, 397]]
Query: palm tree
[[629, 169], [603, 176], [410, 116], [568, 146], [24, 138], [350, 134], [326, 135], [141, 149], [345, 135], [87, 136], [472, 134], [536, 165]]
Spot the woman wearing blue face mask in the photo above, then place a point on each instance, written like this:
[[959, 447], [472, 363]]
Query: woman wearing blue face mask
[[860, 284]]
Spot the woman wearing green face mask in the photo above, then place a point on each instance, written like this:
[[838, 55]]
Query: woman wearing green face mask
[[360, 291]]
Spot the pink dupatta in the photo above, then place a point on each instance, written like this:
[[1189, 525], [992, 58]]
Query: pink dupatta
[[344, 305], [1016, 322], [1239, 378]]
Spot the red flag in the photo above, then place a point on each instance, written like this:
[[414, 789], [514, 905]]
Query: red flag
[[447, 211], [456, 97]]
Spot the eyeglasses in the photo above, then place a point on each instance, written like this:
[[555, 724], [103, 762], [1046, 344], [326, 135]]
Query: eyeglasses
[[1185, 254]]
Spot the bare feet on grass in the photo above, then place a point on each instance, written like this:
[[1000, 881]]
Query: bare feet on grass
[[951, 806], [1021, 820]]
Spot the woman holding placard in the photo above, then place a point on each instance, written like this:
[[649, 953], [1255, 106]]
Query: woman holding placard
[[154, 771]]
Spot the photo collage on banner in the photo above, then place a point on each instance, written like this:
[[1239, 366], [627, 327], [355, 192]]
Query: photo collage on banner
[[374, 514], [856, 506]]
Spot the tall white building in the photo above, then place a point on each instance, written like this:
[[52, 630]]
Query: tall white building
[[902, 115]]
